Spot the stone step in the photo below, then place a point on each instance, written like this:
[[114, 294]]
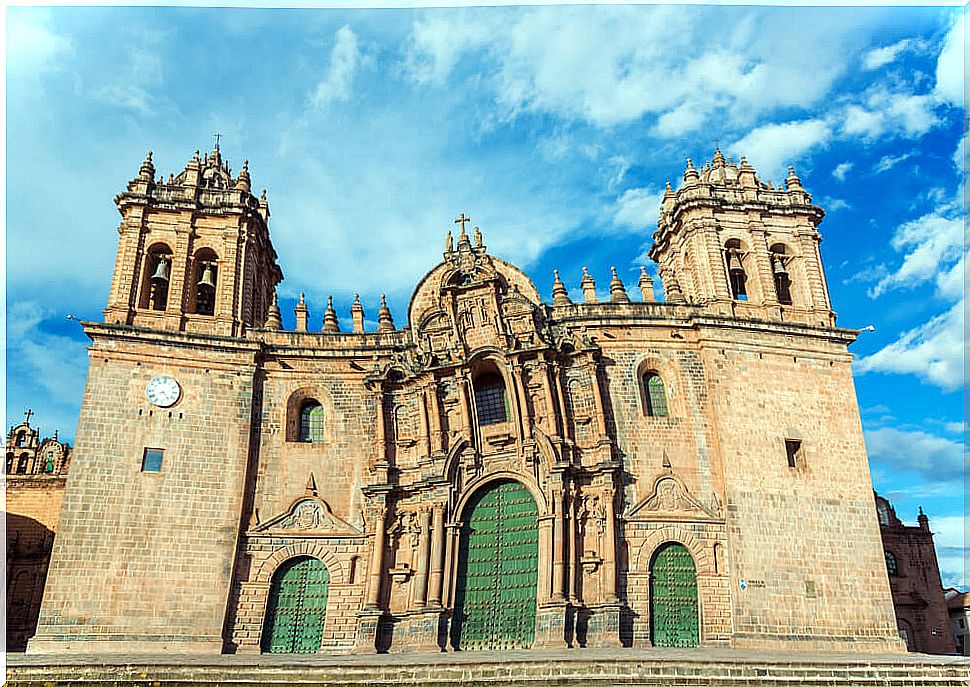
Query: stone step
[[587, 668]]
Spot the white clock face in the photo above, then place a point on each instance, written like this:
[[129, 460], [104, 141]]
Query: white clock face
[[163, 391]]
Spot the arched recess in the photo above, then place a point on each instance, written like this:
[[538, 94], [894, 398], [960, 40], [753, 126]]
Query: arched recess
[[305, 548], [205, 281], [674, 599], [156, 277], [497, 581], [493, 389], [787, 279], [667, 372], [295, 406], [296, 607], [743, 285]]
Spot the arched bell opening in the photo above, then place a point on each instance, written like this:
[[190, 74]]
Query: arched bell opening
[[498, 569], [734, 258], [297, 607], [205, 275], [781, 263], [157, 277]]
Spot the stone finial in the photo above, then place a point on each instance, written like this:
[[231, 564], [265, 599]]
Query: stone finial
[[690, 174], [243, 182], [302, 314], [330, 323], [311, 486], [718, 158], [357, 314], [792, 182], [449, 242], [147, 170], [747, 177], [274, 320], [263, 206], [560, 296], [589, 287], [646, 286], [668, 191], [672, 289], [478, 237], [385, 323], [618, 292]]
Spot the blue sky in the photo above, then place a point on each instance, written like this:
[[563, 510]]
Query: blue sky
[[554, 128]]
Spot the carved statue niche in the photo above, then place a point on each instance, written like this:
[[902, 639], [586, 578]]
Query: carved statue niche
[[436, 335], [477, 318]]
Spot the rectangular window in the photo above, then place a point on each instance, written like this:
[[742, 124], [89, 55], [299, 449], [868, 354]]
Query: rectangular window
[[152, 461], [794, 449]]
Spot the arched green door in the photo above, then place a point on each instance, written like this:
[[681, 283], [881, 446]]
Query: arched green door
[[297, 607], [498, 568], [673, 597]]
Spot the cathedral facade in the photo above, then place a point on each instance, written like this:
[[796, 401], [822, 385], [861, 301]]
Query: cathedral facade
[[502, 472]]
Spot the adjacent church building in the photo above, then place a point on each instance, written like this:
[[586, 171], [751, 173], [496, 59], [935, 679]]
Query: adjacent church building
[[503, 471]]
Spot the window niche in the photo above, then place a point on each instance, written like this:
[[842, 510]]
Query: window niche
[[892, 565], [311, 422], [654, 395], [491, 399], [793, 449]]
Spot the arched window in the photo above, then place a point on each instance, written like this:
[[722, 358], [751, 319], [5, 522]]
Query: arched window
[[882, 510], [9, 463], [734, 256], [22, 464], [490, 399], [655, 395], [779, 269], [206, 275], [21, 438], [892, 567], [311, 421]]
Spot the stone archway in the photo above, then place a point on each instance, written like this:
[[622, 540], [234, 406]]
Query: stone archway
[[498, 569], [297, 607]]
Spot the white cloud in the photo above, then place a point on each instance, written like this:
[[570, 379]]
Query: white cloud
[[933, 351], [887, 162], [888, 112], [951, 65], [438, 43], [880, 57], [637, 208], [32, 47], [933, 242], [772, 147], [841, 170], [894, 449], [344, 60]]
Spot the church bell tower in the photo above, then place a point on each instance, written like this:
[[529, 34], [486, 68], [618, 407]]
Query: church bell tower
[[744, 248], [194, 252]]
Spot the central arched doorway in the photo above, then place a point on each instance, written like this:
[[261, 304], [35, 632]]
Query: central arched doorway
[[297, 607], [673, 597], [498, 569]]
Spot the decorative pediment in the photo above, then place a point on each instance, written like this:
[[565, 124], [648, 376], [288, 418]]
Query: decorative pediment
[[308, 515], [671, 500]]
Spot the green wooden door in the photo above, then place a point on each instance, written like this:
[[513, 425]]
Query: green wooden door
[[673, 597], [498, 566], [296, 607]]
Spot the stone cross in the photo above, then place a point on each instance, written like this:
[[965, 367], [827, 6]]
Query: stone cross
[[461, 220], [28, 413]]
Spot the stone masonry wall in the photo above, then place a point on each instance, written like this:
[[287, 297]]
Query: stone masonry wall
[[148, 556]]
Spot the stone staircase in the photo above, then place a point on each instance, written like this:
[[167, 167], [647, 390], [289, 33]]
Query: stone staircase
[[582, 668]]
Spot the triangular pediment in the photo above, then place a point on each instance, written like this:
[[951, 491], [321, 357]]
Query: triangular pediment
[[670, 500], [307, 515]]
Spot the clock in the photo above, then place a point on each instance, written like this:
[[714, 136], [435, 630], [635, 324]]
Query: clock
[[163, 391]]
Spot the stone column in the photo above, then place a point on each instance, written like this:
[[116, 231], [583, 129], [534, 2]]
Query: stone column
[[451, 537], [435, 417], [609, 546], [516, 398], [465, 408], [437, 555], [377, 562], [423, 418], [380, 436], [545, 557], [592, 368], [421, 576], [558, 546], [554, 416], [572, 512]]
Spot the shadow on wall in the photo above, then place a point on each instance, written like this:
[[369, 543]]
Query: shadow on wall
[[29, 545]]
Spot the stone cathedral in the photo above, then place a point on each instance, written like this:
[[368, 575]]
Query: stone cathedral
[[502, 472]]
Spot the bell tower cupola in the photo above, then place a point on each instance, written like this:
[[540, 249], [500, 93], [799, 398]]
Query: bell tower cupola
[[742, 247], [194, 252]]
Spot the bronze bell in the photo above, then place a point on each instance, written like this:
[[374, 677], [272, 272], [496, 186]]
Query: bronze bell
[[207, 279], [779, 268], [734, 264], [161, 270]]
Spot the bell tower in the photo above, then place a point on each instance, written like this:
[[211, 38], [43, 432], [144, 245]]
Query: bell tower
[[194, 252], [743, 247]]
